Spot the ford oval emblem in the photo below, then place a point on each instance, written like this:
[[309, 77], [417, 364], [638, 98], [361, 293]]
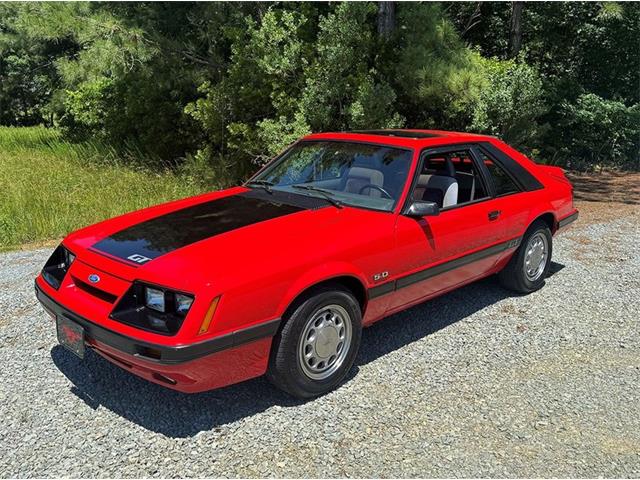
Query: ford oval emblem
[[93, 278]]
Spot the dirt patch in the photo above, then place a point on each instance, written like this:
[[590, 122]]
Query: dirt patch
[[606, 187], [606, 196], [600, 212]]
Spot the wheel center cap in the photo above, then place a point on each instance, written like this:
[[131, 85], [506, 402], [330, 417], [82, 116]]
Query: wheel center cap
[[536, 256], [327, 342]]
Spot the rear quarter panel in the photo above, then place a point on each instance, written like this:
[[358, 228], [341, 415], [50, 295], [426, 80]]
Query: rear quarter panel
[[555, 198]]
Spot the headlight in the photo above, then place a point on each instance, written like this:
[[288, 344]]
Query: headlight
[[183, 303], [68, 257], [154, 298], [57, 266], [153, 308]]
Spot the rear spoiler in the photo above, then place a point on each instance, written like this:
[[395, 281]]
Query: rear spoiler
[[555, 172]]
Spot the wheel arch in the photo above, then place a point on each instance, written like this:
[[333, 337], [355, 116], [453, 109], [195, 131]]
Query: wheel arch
[[547, 217], [348, 279]]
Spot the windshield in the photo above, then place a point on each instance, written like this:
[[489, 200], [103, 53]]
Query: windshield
[[360, 175]]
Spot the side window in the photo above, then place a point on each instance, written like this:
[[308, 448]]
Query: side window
[[501, 180], [449, 179]]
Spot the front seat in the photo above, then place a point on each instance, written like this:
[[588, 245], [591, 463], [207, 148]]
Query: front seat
[[440, 187], [358, 177]]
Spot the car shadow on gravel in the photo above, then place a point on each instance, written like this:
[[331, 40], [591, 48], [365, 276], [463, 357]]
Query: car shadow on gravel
[[429, 317], [101, 384]]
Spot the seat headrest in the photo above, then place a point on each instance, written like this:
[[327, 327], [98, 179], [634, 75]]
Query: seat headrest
[[369, 174], [449, 168], [444, 169]]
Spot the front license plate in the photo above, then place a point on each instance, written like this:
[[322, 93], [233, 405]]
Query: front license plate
[[70, 336]]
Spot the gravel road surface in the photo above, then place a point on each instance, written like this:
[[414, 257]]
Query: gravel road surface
[[475, 383]]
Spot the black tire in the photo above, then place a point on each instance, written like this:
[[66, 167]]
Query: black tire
[[513, 276], [285, 371]]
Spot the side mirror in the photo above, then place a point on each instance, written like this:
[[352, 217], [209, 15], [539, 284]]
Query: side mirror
[[420, 209]]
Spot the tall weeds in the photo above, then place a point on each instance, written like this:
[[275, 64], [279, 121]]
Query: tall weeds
[[49, 186]]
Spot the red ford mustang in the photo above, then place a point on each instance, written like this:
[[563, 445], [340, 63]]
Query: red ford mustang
[[279, 276]]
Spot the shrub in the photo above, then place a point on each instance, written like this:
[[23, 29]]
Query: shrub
[[600, 133], [511, 103]]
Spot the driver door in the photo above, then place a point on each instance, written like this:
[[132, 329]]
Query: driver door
[[437, 253]]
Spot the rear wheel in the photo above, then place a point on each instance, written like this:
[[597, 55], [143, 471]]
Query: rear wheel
[[318, 343], [528, 268]]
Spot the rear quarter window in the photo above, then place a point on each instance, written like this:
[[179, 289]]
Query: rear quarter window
[[522, 177], [502, 182]]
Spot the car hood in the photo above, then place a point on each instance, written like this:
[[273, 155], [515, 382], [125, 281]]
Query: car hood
[[222, 235]]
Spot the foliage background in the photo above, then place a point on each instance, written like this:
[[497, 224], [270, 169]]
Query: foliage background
[[215, 89]]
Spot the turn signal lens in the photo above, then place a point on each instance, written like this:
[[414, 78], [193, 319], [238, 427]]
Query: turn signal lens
[[204, 327]]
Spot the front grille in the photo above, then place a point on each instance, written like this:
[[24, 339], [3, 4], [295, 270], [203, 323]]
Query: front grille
[[96, 292]]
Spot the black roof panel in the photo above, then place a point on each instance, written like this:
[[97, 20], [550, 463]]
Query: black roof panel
[[398, 133]]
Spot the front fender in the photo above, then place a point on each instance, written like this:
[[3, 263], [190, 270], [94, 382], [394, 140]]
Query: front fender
[[316, 275]]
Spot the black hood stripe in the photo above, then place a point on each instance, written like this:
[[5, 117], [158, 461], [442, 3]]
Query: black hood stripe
[[157, 236]]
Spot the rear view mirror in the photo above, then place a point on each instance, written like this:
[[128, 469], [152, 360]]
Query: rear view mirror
[[422, 209]]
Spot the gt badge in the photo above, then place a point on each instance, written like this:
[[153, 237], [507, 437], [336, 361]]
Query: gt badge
[[136, 257], [513, 243]]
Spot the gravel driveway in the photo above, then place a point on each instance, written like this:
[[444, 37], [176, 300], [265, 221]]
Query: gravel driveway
[[475, 383]]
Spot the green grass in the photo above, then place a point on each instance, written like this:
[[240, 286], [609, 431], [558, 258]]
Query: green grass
[[49, 187]]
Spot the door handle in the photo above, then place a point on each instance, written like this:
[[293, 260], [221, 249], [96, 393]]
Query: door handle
[[494, 214]]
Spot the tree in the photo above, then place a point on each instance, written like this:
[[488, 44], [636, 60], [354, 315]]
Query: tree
[[386, 18], [516, 28], [573, 46], [512, 103], [28, 76], [604, 133], [226, 85]]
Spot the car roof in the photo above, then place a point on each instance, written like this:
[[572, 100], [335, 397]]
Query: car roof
[[412, 138]]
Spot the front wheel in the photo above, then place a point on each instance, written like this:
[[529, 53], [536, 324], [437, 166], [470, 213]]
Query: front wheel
[[528, 268], [318, 343]]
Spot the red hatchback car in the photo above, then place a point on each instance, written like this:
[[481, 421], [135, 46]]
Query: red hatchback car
[[279, 276]]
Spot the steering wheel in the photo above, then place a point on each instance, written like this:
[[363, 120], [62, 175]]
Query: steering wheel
[[376, 187]]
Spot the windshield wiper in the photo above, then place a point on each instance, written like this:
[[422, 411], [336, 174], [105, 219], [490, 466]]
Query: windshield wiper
[[266, 184], [325, 193]]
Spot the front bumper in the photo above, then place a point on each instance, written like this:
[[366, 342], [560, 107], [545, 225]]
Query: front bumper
[[195, 367]]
